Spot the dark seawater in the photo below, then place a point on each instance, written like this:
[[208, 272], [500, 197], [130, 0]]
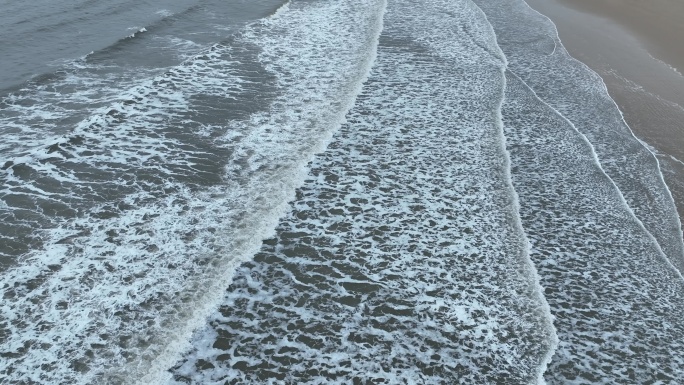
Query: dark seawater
[[136, 74], [323, 192], [41, 37]]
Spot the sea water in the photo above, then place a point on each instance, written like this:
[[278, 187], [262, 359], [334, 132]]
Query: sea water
[[324, 192]]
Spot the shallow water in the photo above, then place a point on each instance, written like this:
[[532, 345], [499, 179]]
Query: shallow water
[[326, 192], [402, 260]]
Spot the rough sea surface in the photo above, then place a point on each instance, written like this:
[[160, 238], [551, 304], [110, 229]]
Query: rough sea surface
[[324, 192]]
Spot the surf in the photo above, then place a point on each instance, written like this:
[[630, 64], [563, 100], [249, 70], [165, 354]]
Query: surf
[[125, 282]]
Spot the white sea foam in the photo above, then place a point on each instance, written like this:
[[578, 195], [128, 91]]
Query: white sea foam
[[403, 260], [668, 66], [138, 30], [122, 284], [183, 49], [538, 57], [595, 258], [282, 9], [598, 240], [674, 159], [80, 120], [97, 278], [164, 13], [527, 264]]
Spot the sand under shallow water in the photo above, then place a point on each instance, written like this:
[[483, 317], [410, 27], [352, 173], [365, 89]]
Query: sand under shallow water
[[636, 48]]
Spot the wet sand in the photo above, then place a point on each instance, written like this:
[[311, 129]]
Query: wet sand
[[658, 22], [637, 49]]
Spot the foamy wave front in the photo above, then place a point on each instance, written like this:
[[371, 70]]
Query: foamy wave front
[[122, 284]]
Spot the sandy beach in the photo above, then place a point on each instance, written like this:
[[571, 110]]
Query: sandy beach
[[637, 49]]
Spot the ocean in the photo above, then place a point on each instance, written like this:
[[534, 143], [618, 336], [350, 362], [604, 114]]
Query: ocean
[[324, 192]]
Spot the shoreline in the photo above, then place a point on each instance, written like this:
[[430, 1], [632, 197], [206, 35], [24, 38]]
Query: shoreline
[[621, 43]]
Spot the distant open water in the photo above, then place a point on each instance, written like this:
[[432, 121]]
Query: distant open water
[[211, 192]]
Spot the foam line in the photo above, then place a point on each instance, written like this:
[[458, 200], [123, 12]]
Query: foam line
[[126, 278], [556, 79], [532, 270], [281, 10], [673, 69], [605, 278], [401, 260], [529, 264], [158, 371], [597, 162], [673, 158], [644, 145]]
